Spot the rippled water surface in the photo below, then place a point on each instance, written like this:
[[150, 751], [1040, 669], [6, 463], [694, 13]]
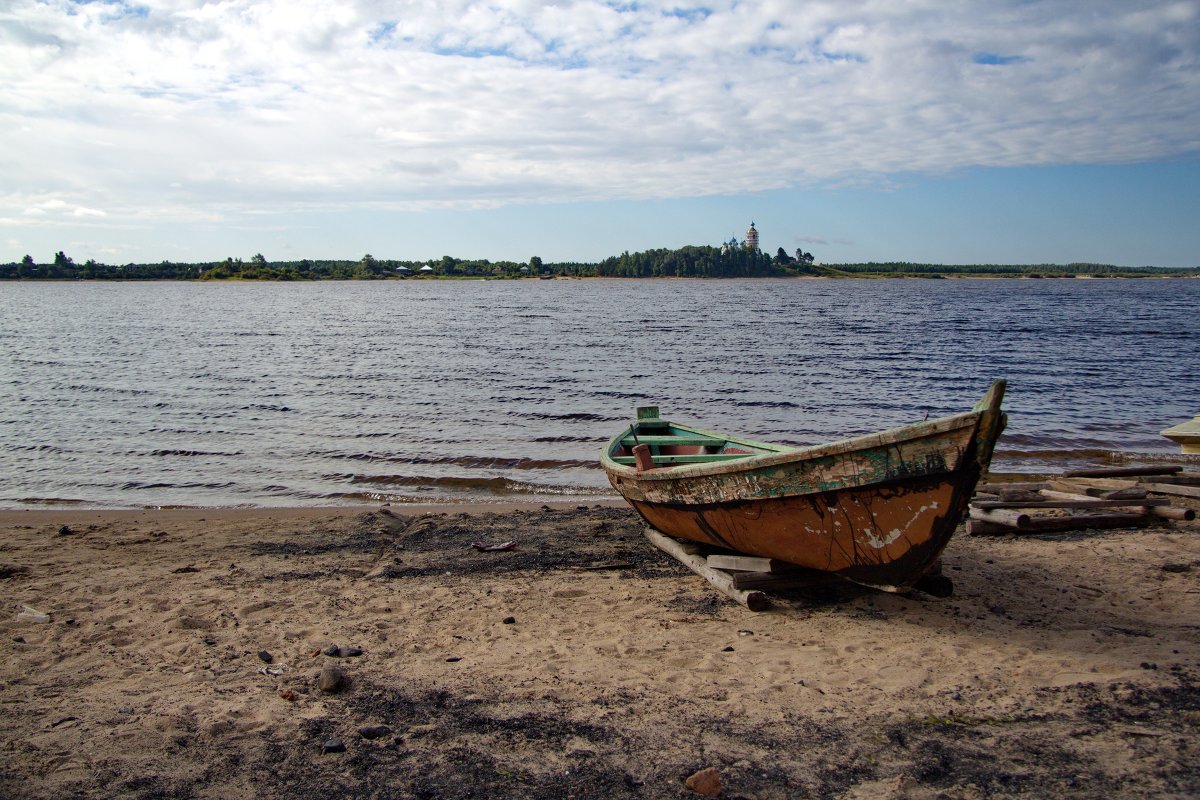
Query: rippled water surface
[[147, 394]]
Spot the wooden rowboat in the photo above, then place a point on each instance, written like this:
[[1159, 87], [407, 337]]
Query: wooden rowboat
[[876, 509]]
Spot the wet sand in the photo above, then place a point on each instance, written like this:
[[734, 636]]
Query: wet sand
[[581, 663]]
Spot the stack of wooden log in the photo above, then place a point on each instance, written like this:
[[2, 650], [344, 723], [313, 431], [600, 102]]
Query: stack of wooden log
[[1124, 497]]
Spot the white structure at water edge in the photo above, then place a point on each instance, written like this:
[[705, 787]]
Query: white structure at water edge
[[1186, 435]]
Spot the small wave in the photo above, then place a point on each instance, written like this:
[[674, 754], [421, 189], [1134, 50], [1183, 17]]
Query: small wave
[[765, 404], [478, 462], [577, 417], [140, 485], [106, 389], [190, 453], [471, 485]]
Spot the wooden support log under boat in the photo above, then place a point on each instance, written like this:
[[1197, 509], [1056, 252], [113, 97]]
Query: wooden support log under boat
[[721, 581], [782, 582], [736, 563]]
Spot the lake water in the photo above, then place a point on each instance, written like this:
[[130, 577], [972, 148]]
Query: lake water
[[225, 394]]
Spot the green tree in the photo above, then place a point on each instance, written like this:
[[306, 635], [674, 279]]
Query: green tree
[[535, 266]]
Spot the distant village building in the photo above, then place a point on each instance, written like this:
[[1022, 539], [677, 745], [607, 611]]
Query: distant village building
[[752, 238]]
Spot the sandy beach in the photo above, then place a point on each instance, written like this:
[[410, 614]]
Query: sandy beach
[[188, 654]]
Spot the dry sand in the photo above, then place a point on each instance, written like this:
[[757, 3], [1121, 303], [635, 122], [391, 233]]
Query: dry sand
[[582, 663]]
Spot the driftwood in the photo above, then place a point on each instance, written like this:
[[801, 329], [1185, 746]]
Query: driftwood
[[1052, 524], [1179, 491], [1117, 472], [1064, 500], [1154, 507], [1099, 483], [1002, 517], [1123, 493], [1101, 487], [1179, 480], [689, 556], [1005, 488]]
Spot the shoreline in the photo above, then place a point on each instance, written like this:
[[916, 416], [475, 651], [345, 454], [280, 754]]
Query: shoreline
[[95, 515], [581, 662]]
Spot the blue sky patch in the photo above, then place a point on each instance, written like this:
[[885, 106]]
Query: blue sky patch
[[994, 60]]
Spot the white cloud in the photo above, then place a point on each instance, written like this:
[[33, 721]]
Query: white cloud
[[242, 105]]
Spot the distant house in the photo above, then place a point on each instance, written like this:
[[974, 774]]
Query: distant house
[[426, 268]]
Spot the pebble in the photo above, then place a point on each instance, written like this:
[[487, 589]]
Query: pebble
[[510, 620], [1176, 567], [65, 530], [374, 731], [333, 746], [330, 679], [706, 782], [338, 651], [19, 639], [266, 657], [728, 649]]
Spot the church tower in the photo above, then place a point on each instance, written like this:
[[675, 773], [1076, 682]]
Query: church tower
[[752, 238]]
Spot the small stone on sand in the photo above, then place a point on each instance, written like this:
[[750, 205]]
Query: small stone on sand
[[330, 679], [706, 782], [373, 731]]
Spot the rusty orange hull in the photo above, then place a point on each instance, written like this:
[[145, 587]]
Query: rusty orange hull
[[877, 510]]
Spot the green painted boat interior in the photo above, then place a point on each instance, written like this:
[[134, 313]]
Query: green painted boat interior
[[672, 444]]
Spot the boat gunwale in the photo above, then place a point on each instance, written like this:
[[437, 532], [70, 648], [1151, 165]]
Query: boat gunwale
[[782, 454]]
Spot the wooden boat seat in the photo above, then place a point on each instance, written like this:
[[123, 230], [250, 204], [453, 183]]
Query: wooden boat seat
[[656, 440], [695, 458]]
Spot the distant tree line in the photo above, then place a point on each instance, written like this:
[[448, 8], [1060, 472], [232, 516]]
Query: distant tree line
[[692, 261], [903, 268], [700, 262]]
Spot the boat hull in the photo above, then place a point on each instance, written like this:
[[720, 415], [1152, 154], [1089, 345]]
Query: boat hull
[[884, 535], [877, 510]]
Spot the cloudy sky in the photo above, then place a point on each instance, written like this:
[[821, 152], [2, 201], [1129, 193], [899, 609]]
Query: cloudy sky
[[990, 131]]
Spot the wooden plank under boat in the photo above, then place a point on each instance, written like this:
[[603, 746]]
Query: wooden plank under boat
[[876, 509]]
